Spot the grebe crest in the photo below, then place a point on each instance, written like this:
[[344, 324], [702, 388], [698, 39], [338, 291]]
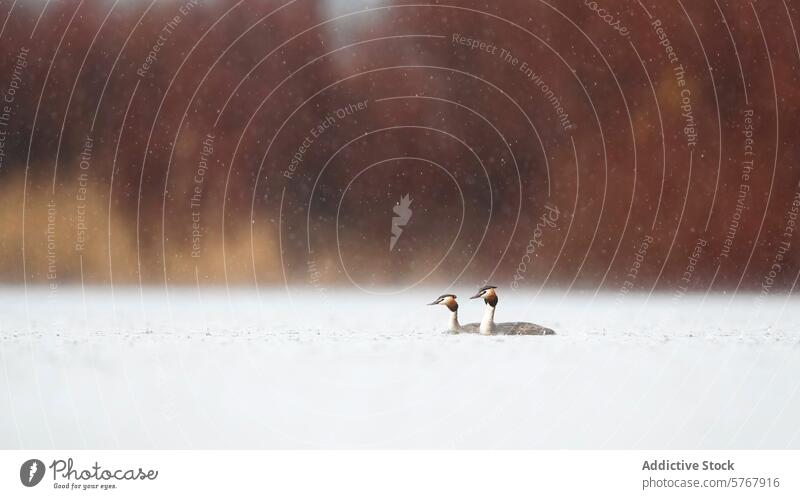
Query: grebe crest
[[448, 301]]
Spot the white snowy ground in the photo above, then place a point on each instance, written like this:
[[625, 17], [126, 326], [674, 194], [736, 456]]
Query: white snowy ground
[[346, 369]]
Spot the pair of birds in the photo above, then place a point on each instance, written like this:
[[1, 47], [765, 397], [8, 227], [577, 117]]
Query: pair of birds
[[487, 326]]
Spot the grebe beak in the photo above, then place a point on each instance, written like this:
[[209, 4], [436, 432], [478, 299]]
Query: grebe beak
[[433, 303], [477, 295]]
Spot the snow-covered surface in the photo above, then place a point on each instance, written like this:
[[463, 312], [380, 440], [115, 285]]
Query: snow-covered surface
[[333, 369]]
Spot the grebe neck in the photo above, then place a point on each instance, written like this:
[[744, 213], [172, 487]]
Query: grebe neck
[[453, 324], [487, 324]]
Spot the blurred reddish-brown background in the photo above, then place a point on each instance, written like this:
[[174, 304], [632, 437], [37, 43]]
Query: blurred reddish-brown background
[[634, 202]]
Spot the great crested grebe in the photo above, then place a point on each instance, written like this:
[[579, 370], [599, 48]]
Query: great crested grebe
[[488, 325], [453, 325]]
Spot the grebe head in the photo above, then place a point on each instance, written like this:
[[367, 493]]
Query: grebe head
[[448, 301], [488, 294]]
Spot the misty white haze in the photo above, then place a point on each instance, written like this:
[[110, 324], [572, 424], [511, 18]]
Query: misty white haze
[[341, 369]]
